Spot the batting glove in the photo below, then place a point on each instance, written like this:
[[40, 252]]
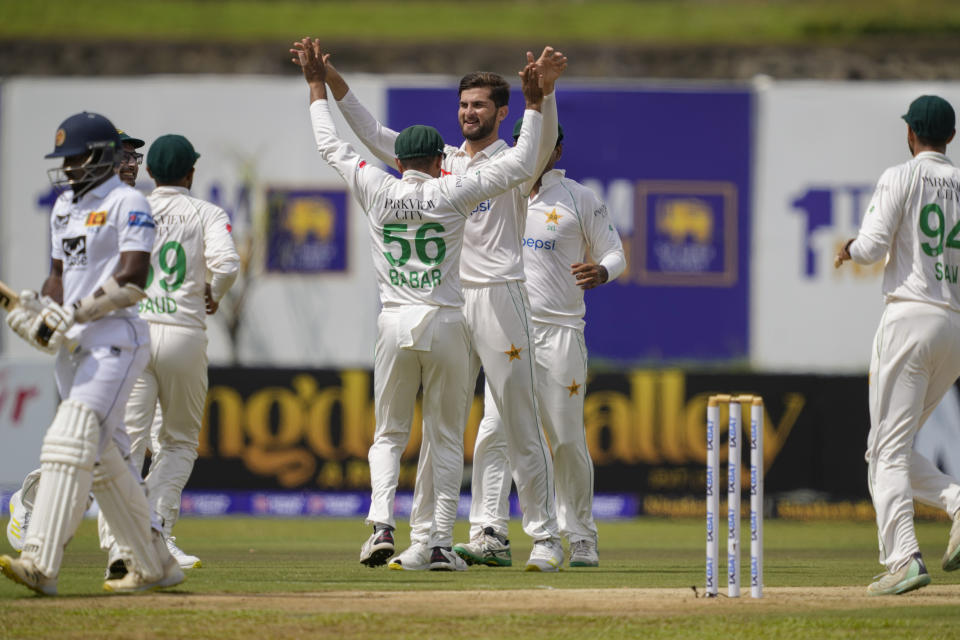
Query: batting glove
[[50, 326], [21, 318]]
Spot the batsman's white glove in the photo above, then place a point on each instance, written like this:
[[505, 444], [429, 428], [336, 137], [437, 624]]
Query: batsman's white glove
[[23, 315], [48, 330]]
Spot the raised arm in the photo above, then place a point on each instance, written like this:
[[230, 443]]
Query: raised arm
[[362, 179], [376, 137], [551, 64]]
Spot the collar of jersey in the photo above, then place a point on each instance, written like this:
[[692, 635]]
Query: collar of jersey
[[552, 177], [413, 174], [170, 190], [490, 150], [101, 190], [933, 155]]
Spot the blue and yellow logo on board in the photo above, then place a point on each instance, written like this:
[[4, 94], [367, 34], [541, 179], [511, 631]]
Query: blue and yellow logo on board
[[685, 233], [307, 230], [685, 219], [310, 216]]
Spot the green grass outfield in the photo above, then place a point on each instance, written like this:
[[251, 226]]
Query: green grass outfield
[[667, 22], [276, 578]]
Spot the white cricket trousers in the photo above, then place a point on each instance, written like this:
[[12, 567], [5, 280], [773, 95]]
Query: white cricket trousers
[[498, 316], [165, 414], [561, 359], [915, 359], [102, 372], [439, 360], [175, 379]]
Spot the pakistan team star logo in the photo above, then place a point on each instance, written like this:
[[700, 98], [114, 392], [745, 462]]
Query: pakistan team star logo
[[553, 217], [574, 388], [514, 352]]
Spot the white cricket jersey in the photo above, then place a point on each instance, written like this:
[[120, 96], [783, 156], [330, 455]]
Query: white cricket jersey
[[193, 237], [491, 249], [914, 219], [564, 220], [89, 235], [417, 222]]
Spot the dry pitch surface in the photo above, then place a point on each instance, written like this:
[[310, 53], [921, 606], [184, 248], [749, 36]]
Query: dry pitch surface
[[546, 600]]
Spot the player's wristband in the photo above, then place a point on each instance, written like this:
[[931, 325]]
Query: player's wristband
[[113, 297]]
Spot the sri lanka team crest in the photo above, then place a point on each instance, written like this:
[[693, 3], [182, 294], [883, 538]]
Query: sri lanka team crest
[[307, 230], [96, 219], [686, 233]]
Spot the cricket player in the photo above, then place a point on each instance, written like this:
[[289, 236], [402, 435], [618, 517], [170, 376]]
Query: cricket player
[[914, 222], [21, 502], [565, 221], [101, 236], [496, 307], [130, 159], [417, 226], [193, 239]]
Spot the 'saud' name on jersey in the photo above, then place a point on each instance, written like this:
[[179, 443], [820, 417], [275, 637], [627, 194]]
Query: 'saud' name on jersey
[[160, 304]]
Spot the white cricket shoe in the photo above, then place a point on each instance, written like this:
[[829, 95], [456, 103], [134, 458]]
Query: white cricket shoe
[[583, 553], [134, 582], [547, 555], [487, 547], [910, 576], [444, 559], [377, 548], [415, 558], [951, 558], [185, 560], [19, 520], [22, 571]]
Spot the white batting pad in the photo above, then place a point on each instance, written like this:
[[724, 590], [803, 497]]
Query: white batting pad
[[67, 458], [124, 506]]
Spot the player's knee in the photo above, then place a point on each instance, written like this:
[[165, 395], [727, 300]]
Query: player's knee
[[73, 437]]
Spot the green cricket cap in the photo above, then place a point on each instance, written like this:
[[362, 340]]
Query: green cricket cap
[[519, 125], [931, 117], [418, 141], [135, 142], [171, 157]]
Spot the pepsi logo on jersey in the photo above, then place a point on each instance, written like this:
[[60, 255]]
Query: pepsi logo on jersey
[[482, 207], [535, 243]]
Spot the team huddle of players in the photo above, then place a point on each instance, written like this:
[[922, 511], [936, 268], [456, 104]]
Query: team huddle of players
[[518, 314]]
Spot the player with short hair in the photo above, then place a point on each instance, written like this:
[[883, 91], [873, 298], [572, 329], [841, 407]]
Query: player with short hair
[[417, 226], [565, 222], [130, 159], [497, 310], [101, 234], [912, 221], [165, 410]]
